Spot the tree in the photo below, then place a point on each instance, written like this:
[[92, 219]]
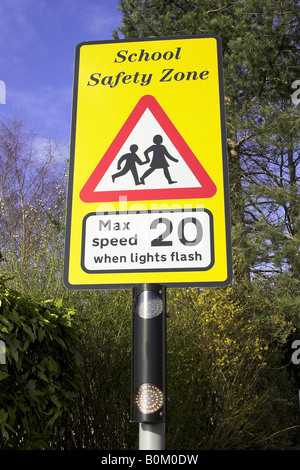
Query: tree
[[272, 192], [32, 198], [260, 56], [260, 61]]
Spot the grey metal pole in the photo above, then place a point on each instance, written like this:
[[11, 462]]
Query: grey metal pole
[[152, 436], [149, 365]]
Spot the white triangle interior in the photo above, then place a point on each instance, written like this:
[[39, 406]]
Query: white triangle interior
[[142, 136]]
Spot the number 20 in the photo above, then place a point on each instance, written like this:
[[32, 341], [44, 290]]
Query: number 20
[[161, 239]]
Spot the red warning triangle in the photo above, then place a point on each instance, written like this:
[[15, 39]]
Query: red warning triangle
[[112, 179]]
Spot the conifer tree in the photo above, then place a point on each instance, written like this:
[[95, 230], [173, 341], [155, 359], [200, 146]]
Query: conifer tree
[[260, 43]]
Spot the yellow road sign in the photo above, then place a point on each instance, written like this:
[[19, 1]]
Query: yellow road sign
[[148, 181]]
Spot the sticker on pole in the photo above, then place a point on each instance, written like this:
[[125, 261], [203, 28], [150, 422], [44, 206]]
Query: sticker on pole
[[148, 159]]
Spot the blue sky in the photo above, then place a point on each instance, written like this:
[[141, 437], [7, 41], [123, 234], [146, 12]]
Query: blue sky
[[37, 46]]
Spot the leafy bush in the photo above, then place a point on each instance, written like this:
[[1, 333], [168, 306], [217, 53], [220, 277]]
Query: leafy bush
[[224, 385], [101, 415], [41, 374], [220, 358]]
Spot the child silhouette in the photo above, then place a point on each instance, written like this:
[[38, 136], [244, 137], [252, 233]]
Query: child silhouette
[[131, 159], [159, 156]]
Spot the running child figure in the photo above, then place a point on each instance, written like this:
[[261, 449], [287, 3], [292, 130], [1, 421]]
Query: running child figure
[[131, 160]]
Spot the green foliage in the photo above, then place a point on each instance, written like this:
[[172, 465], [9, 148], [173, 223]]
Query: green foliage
[[40, 377], [226, 383], [216, 357], [229, 385], [101, 414], [260, 42]]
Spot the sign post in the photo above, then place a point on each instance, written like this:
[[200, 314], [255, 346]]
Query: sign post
[[148, 197], [148, 384]]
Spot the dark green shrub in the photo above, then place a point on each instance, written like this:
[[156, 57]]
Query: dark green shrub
[[101, 416], [40, 376]]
